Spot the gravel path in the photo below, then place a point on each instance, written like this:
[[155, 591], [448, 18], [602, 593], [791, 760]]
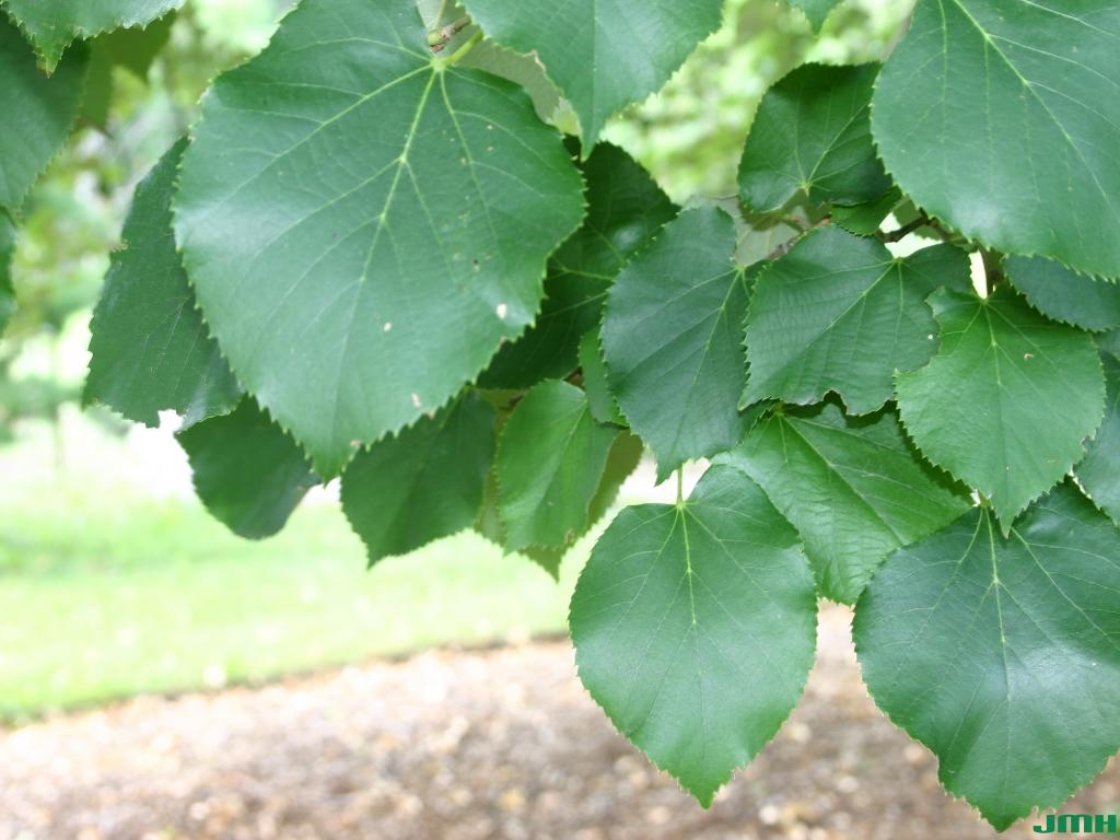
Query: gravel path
[[493, 744]]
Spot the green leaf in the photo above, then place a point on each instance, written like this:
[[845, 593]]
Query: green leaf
[[97, 98], [1099, 472], [367, 197], [866, 219], [694, 627], [1002, 654], [673, 340], [523, 70], [624, 457], [132, 49], [39, 112], [53, 24], [550, 462], [135, 49], [150, 349], [816, 11], [759, 236], [601, 55], [7, 251], [625, 211], [852, 487], [1065, 295], [1007, 401], [425, 483], [1001, 118], [812, 135], [600, 400], [1110, 342], [248, 472], [840, 313]]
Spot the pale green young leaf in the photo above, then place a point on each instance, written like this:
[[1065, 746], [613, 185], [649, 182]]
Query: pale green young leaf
[[150, 350], [695, 628], [1065, 295], [602, 56], [425, 483], [852, 487], [1003, 120], [248, 472], [363, 213], [758, 235], [812, 135], [523, 70], [1099, 472], [1002, 654], [38, 112], [1007, 402], [673, 340], [550, 461], [53, 24], [840, 313], [625, 211]]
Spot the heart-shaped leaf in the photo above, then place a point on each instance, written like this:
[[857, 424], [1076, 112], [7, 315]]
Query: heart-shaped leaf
[[1002, 653], [385, 198], [695, 627]]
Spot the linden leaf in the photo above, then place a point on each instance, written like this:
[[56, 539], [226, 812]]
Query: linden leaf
[[347, 197]]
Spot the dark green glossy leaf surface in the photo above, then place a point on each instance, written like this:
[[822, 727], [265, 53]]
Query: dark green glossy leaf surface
[[1065, 295], [694, 627], [840, 313], [673, 340], [381, 199], [625, 211], [1008, 400], [1002, 654], [1099, 472], [550, 462], [150, 349], [38, 112], [423, 484], [1001, 117], [248, 472], [852, 487], [53, 24], [865, 219], [812, 134], [603, 54]]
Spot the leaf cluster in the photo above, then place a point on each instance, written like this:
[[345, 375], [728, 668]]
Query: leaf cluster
[[377, 258]]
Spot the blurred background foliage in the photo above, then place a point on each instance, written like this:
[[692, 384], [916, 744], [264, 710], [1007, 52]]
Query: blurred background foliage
[[112, 578], [141, 94], [690, 135]]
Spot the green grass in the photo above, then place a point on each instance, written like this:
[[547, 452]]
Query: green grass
[[107, 592]]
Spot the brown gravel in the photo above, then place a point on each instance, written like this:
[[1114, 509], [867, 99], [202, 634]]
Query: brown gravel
[[498, 744]]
